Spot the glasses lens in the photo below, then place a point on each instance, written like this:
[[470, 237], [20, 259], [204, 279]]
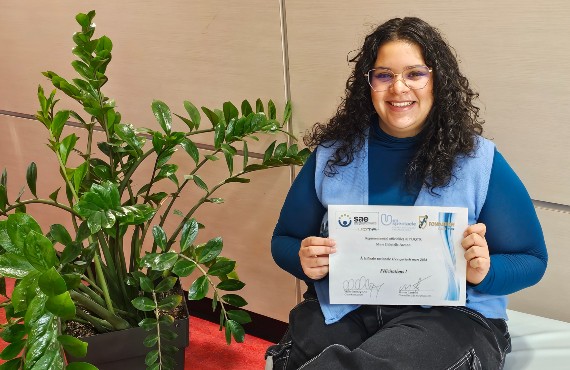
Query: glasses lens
[[380, 79], [417, 77]]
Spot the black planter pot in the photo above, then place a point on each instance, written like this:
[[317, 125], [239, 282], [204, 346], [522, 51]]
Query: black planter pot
[[124, 349]]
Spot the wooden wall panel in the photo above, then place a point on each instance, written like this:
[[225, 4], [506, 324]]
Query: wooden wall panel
[[207, 52], [510, 51]]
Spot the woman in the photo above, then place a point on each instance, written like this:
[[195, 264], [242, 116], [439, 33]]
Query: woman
[[408, 130]]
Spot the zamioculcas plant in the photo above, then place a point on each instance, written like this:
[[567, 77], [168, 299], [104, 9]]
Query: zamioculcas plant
[[81, 274]]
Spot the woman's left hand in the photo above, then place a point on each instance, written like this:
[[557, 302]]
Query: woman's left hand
[[476, 253]]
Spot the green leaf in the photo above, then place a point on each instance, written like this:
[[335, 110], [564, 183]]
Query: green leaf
[[73, 346], [280, 151], [159, 236], [14, 364], [59, 121], [79, 174], [25, 291], [160, 261], [97, 206], [236, 329], [198, 181], [148, 324], [245, 108], [229, 154], [258, 106], [193, 113], [170, 302], [269, 152], [12, 350], [211, 157], [3, 197], [62, 306], [191, 148], [80, 366], [135, 214], [234, 300], [168, 334], [237, 179], [128, 135], [13, 333], [72, 280], [51, 283], [14, 266], [71, 252], [166, 284], [183, 268], [151, 357], [230, 284], [60, 234], [19, 225], [66, 146], [32, 177], [53, 196], [210, 250], [189, 233], [166, 170], [222, 267], [213, 117], [143, 304], [198, 289], [146, 284], [39, 251], [240, 316], [150, 340], [287, 112], [272, 113], [219, 135], [230, 111]]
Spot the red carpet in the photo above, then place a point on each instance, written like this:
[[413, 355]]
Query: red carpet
[[208, 349]]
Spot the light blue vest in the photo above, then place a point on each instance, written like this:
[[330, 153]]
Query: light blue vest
[[468, 188]]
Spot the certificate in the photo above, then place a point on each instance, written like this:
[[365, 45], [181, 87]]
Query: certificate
[[396, 255]]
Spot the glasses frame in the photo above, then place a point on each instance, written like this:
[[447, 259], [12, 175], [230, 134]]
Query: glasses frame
[[396, 78]]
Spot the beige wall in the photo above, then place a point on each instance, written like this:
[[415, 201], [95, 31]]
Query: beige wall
[[212, 51]]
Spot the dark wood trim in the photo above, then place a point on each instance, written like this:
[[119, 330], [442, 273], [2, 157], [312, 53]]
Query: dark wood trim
[[260, 326]]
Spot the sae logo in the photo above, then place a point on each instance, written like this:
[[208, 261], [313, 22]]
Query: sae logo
[[344, 220]]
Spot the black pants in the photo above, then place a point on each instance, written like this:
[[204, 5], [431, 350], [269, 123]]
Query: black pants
[[391, 337]]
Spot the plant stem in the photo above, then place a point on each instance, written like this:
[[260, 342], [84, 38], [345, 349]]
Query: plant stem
[[157, 316], [42, 201], [103, 283], [116, 322], [222, 308], [100, 325], [94, 296]]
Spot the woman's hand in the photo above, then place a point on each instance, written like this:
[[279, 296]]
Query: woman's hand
[[314, 255], [476, 253]]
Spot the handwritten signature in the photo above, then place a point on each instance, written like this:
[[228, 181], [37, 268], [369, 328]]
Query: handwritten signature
[[362, 284], [413, 288]]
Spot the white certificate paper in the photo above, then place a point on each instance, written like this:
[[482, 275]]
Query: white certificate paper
[[397, 255]]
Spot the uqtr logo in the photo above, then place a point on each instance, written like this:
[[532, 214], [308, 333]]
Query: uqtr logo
[[385, 219], [344, 220], [423, 222]]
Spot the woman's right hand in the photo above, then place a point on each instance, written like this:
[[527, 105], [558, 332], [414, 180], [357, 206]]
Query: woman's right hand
[[314, 255]]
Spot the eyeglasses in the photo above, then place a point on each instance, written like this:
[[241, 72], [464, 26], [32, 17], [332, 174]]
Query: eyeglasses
[[414, 77]]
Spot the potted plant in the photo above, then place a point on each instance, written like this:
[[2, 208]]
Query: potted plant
[[117, 268]]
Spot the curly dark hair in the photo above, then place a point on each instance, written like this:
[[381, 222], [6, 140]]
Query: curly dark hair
[[452, 123]]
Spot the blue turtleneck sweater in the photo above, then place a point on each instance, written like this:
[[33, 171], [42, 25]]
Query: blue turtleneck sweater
[[514, 236]]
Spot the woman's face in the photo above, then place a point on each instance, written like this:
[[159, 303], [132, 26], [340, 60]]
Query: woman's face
[[402, 111]]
